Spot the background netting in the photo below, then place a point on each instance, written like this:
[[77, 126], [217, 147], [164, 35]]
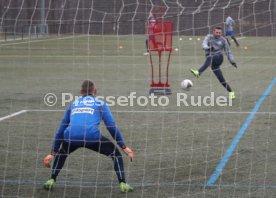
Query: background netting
[[50, 46]]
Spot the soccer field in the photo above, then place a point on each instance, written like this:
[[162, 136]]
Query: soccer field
[[180, 150]]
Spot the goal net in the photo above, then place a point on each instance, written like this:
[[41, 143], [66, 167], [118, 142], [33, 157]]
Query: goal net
[[196, 143]]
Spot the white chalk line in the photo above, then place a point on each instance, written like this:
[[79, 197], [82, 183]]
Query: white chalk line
[[41, 40], [51, 39], [153, 111], [137, 111], [12, 115], [240, 38]]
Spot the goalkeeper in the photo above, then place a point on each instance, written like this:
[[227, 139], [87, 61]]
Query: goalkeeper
[[80, 128], [214, 46]]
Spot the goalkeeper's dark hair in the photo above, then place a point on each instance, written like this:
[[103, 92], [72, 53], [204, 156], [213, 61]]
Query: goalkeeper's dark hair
[[87, 87]]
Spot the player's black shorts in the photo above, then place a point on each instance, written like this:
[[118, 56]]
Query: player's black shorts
[[216, 61], [103, 146]]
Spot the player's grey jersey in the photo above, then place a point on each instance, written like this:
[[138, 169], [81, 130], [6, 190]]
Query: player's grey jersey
[[229, 22], [213, 46]]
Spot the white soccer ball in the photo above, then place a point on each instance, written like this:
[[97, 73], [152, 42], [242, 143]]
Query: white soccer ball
[[186, 84]]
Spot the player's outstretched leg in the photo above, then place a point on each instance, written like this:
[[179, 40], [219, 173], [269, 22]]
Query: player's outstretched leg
[[206, 64], [106, 147], [235, 40], [221, 79], [195, 72], [217, 61], [59, 161], [228, 41]]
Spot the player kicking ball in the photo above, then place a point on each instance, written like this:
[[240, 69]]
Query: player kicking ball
[[80, 129], [215, 45]]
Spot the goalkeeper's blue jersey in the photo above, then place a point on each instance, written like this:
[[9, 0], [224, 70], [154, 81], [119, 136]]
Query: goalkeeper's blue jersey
[[81, 123]]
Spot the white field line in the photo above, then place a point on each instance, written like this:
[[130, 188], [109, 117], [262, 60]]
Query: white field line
[[109, 56], [58, 38], [41, 40], [20, 38], [151, 111], [45, 110], [12, 115], [134, 111], [239, 38], [15, 39]]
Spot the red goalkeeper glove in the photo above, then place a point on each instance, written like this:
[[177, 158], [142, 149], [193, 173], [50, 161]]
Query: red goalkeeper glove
[[48, 159], [129, 152]]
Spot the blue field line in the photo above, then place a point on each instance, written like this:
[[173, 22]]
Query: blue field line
[[108, 184], [239, 135]]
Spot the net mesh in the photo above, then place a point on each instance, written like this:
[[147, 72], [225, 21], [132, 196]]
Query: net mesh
[[183, 148]]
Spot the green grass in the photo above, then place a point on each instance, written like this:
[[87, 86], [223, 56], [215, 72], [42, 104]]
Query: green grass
[[176, 147]]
